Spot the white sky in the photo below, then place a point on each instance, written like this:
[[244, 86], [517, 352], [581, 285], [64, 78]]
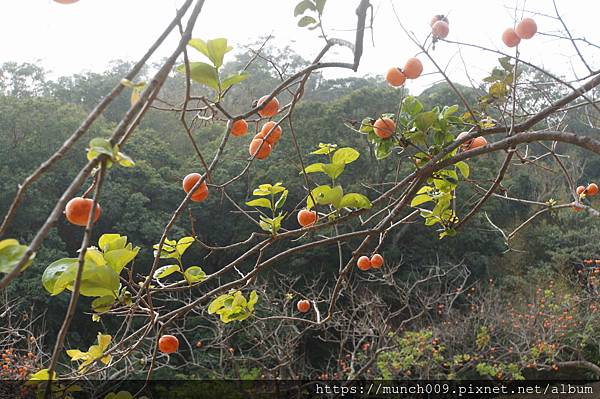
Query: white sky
[[86, 35]]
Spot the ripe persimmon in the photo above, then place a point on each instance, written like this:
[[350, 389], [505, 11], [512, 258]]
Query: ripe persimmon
[[510, 38], [526, 28], [384, 127], [591, 190], [201, 193], [303, 306], [307, 218], [376, 261], [270, 109], [395, 77], [239, 127], [275, 134], [437, 18], [413, 68], [259, 148], [363, 263], [440, 29], [168, 344], [78, 209], [580, 190], [477, 142]]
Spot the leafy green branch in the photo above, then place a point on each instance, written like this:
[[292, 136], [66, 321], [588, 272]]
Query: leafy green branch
[[333, 194], [172, 249], [99, 146], [209, 74], [233, 306], [101, 269], [11, 253], [427, 131], [269, 199], [303, 7]]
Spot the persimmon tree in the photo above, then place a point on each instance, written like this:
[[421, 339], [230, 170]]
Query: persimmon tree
[[432, 148]]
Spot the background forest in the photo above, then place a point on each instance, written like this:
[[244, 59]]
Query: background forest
[[526, 309]]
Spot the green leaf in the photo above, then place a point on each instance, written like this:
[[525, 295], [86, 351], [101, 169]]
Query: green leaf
[[325, 195], [214, 49], [276, 188], [200, 45], [383, 148], [165, 271], [276, 223], [233, 79], [9, 242], [345, 156], [425, 120], [306, 20], [325, 149], [420, 199], [262, 202], [239, 300], [103, 304], [266, 226], [424, 189], [51, 278], [119, 258], [263, 189], [252, 300], [168, 249], [505, 62], [463, 167], [411, 106], [194, 274], [281, 200], [315, 167], [101, 146], [94, 257], [99, 281], [233, 306], [355, 200], [11, 253], [108, 242], [333, 170], [183, 244], [449, 110], [217, 48], [202, 73], [366, 125], [303, 6], [320, 5], [218, 303]]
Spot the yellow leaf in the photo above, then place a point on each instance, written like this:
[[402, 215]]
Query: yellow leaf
[[95, 257], [104, 341], [76, 354], [8, 243], [135, 96], [43, 375]]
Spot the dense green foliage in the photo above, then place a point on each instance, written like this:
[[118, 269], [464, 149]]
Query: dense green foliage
[[37, 115]]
